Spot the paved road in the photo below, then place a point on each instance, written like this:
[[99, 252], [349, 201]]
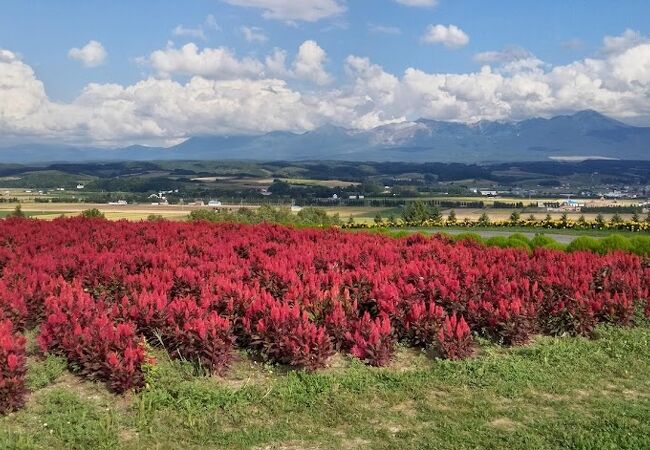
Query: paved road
[[561, 238]]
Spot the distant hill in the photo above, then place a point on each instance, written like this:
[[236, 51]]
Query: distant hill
[[586, 134]]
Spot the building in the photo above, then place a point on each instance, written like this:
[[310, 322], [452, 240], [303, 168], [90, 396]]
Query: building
[[214, 203]]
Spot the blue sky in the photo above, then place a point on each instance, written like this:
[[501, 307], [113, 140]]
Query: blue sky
[[126, 44]]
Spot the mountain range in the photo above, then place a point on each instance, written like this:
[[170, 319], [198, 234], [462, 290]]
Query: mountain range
[[583, 135]]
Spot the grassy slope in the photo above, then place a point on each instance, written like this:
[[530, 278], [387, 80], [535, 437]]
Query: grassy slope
[[554, 393]]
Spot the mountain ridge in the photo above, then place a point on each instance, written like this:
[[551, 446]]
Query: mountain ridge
[[585, 133]]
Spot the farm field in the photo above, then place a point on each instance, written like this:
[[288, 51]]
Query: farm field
[[168, 334]]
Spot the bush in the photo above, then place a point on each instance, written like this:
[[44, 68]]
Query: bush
[[12, 368], [615, 242], [455, 339], [284, 335], [198, 336], [583, 243], [82, 331], [372, 340], [92, 213]]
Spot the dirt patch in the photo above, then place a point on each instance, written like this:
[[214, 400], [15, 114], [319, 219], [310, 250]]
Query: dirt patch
[[504, 423], [406, 409]]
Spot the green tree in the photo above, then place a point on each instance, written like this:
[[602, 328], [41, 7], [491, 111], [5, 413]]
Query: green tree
[[484, 220], [600, 221], [616, 219], [93, 213], [515, 217], [417, 212], [636, 218], [451, 218], [17, 212], [564, 220], [582, 222], [378, 219]]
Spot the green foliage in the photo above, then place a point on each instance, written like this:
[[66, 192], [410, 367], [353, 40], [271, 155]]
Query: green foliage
[[585, 243], [155, 218], [484, 220], [17, 212], [309, 217], [418, 212], [42, 373], [93, 213], [615, 242]]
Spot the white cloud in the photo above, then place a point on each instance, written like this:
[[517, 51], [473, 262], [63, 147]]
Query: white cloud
[[508, 54], [198, 32], [450, 36], [254, 34], [294, 10], [227, 94], [419, 3], [220, 63], [92, 54], [617, 44], [383, 29], [309, 64]]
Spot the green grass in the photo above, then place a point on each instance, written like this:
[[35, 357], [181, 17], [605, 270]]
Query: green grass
[[554, 393], [572, 232]]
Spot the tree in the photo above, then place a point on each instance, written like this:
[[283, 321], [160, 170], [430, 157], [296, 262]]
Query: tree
[[564, 219], [484, 220], [582, 222], [378, 219], [392, 220], [417, 212], [616, 219], [532, 218], [636, 218], [600, 221], [515, 217], [451, 218], [17, 212], [93, 213]]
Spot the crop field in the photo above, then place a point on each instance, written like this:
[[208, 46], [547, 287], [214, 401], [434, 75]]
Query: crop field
[[174, 334]]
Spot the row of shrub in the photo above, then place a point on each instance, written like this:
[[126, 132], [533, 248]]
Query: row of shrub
[[639, 245], [99, 292], [616, 223]]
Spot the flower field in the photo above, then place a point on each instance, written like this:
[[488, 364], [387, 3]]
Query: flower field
[[100, 293]]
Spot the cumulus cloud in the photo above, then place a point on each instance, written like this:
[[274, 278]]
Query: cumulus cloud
[[419, 3], [92, 54], [450, 36], [198, 32], [309, 64], [219, 63], [223, 63], [617, 44], [254, 34], [294, 10], [261, 95], [508, 54]]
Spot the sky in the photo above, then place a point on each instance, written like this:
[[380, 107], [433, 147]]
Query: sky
[[157, 72]]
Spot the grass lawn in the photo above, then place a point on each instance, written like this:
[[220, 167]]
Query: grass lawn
[[554, 393]]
